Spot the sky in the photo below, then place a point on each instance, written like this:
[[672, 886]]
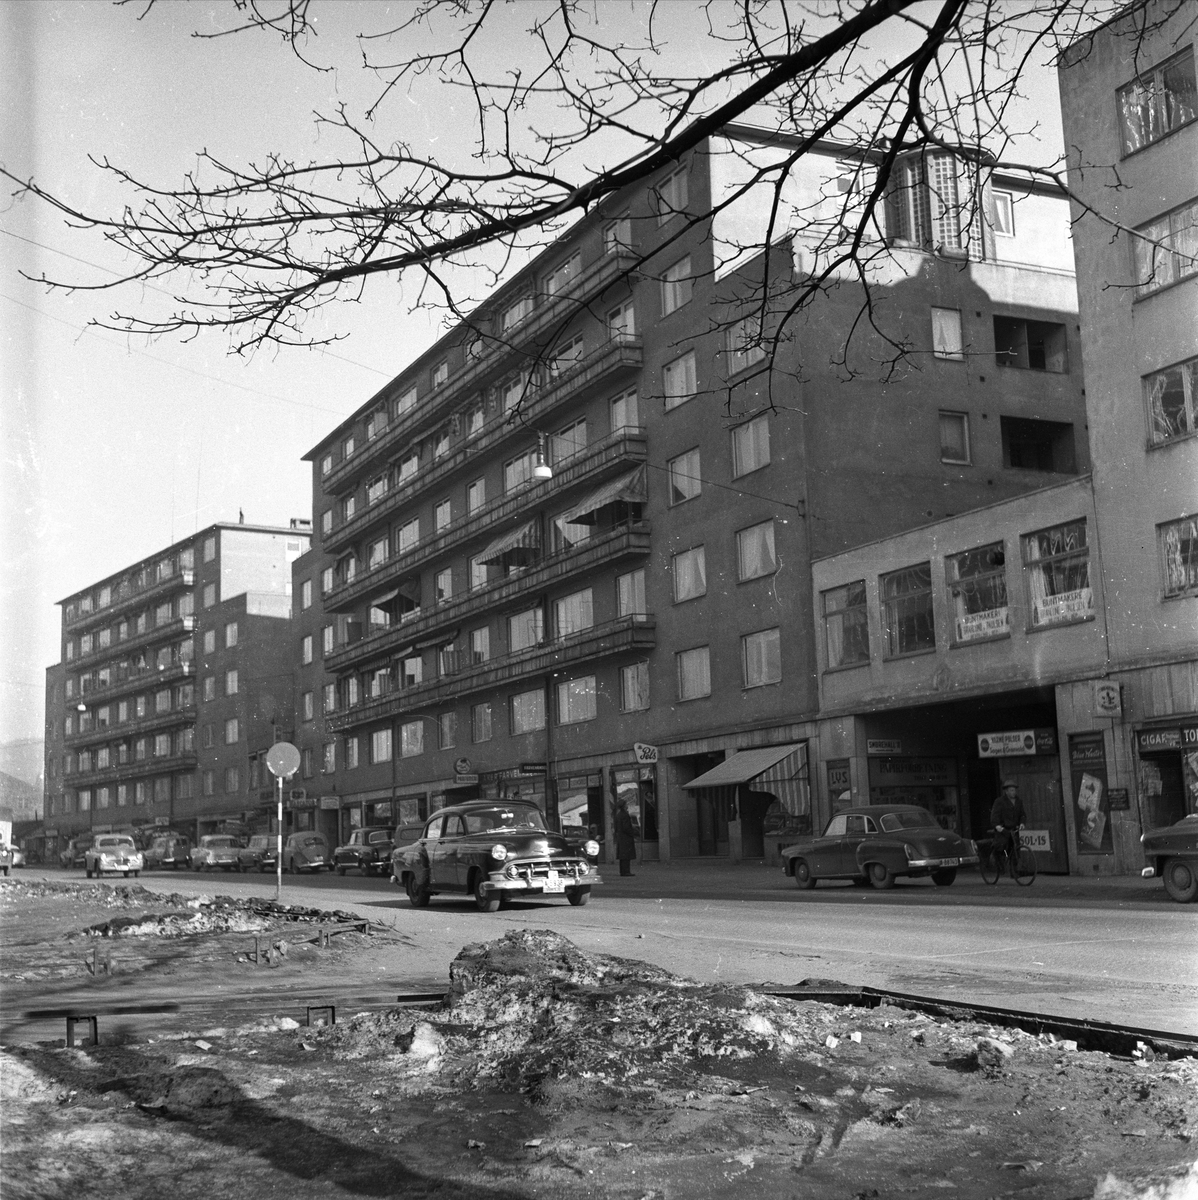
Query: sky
[[116, 446]]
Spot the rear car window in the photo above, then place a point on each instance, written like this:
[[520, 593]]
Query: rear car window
[[379, 836], [915, 818]]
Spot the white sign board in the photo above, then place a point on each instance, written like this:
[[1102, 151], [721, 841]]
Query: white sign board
[[994, 622], [1107, 699], [645, 754], [1036, 839], [883, 746], [1067, 606], [1007, 743]]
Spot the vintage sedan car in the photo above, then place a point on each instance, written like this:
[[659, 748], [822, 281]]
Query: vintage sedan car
[[260, 853], [76, 849], [876, 843], [18, 856], [307, 851], [168, 850], [493, 851], [368, 850], [216, 851], [1172, 853], [116, 852]]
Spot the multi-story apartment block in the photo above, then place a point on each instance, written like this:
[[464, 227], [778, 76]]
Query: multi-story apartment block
[[174, 670], [565, 554]]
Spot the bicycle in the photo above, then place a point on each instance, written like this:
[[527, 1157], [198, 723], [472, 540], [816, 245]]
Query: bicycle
[[1021, 865]]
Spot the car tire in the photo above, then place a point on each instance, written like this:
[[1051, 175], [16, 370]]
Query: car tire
[[136, 874], [340, 870], [578, 896], [804, 880], [487, 902], [418, 897], [1181, 880], [945, 877], [89, 871], [881, 876]]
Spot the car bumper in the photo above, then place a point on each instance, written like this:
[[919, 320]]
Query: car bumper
[[940, 864], [540, 884]]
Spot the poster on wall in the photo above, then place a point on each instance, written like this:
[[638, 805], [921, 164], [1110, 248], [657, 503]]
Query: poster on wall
[[1087, 765]]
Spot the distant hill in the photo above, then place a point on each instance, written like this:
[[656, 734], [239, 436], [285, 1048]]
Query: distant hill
[[23, 798]]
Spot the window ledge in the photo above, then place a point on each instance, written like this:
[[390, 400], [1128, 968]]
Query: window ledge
[[1173, 441], [1164, 287], [1188, 594], [853, 666], [910, 654], [752, 687], [1058, 625], [998, 637]]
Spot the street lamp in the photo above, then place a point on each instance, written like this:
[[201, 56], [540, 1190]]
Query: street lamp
[[541, 468]]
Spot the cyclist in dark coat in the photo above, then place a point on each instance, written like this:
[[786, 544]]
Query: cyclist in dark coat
[[1006, 815]]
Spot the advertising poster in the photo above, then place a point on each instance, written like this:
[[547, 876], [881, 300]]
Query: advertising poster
[[1087, 764]]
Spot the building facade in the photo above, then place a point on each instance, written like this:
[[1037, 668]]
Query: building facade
[[565, 554], [173, 670]]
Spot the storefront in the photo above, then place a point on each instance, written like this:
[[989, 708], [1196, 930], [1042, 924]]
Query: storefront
[[1167, 773]]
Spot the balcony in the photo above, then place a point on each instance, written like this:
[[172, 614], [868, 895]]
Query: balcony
[[133, 599], [627, 635], [618, 355], [626, 542], [133, 770], [133, 681], [160, 633], [607, 457], [441, 403], [125, 729]]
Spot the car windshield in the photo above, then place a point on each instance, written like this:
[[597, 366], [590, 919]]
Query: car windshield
[[512, 817], [220, 843], [117, 842], [311, 841], [911, 818]]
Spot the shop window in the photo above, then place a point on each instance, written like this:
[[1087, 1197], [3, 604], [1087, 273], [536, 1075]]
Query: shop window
[[1056, 563], [1172, 398], [1030, 345], [1030, 445], [977, 590], [761, 657], [907, 611], [1157, 102], [1178, 542]]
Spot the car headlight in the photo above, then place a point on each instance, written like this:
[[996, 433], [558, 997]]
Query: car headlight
[[499, 852], [584, 867], [973, 846], [591, 848], [910, 850]]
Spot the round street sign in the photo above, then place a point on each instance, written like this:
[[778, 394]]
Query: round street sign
[[283, 760]]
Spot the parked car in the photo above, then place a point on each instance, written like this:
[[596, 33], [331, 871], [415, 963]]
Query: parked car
[[18, 856], [493, 852], [1172, 853], [368, 850], [75, 850], [168, 850], [876, 843], [307, 851], [216, 850], [260, 853], [5, 859], [116, 852]]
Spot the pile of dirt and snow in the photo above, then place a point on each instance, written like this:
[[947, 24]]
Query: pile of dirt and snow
[[173, 925]]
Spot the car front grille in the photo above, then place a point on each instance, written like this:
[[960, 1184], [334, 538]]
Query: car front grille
[[537, 870]]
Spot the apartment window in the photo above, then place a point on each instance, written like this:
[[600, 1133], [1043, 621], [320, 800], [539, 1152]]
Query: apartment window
[[671, 195], [745, 347], [476, 417], [232, 781], [85, 642], [122, 627], [565, 355], [85, 757], [232, 731], [634, 687], [351, 753], [568, 442], [1167, 249], [441, 444], [305, 595], [408, 467], [139, 705], [525, 630], [977, 591], [375, 424], [576, 700], [690, 574], [1037, 445], [411, 739], [209, 740], [380, 746], [907, 623], [209, 687], [349, 506], [447, 730], [751, 446], [376, 553], [574, 613], [478, 574], [406, 401], [142, 622], [954, 438], [102, 754], [230, 635], [925, 202], [70, 649], [1158, 102], [326, 464], [328, 760], [328, 697], [480, 722], [122, 792], [515, 313], [352, 690], [442, 515], [326, 521], [480, 644], [761, 657], [625, 411], [630, 594], [684, 479], [518, 471], [678, 380], [85, 799], [1056, 563], [1178, 542], [528, 711], [1030, 345], [162, 745], [617, 235], [105, 636], [376, 489], [1002, 213], [326, 640], [209, 783], [561, 277], [68, 726], [413, 670], [677, 286], [443, 584], [348, 447], [231, 680], [565, 535], [209, 549], [947, 338], [306, 649], [1172, 398], [755, 555], [476, 495], [327, 580], [122, 709], [511, 392], [621, 320], [209, 599], [694, 673]]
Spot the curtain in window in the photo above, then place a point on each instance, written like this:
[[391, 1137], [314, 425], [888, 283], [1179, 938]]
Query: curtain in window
[[575, 613], [694, 673], [1179, 542], [690, 574], [1172, 399], [757, 551], [1058, 571], [907, 610]]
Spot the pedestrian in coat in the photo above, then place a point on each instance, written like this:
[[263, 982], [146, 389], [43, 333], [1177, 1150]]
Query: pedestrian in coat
[[625, 838]]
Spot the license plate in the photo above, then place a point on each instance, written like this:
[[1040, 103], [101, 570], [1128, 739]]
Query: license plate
[[950, 862], [554, 882]]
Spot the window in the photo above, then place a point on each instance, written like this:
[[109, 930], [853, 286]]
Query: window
[[413, 670], [634, 687], [105, 636], [525, 630], [209, 549], [511, 392], [562, 276], [328, 697], [677, 286], [70, 649], [755, 555], [348, 447], [232, 781], [376, 489], [305, 596], [408, 467], [476, 495], [480, 722], [1031, 345], [351, 753], [232, 731], [568, 442], [1037, 445], [744, 344], [617, 235], [630, 594], [209, 787], [1056, 563], [209, 687], [518, 471], [478, 574], [349, 506], [406, 401], [751, 446], [380, 746], [977, 590], [515, 313], [925, 202], [1158, 102], [475, 419], [441, 444], [326, 464], [947, 338], [442, 515], [162, 745], [209, 599], [352, 690], [1002, 213], [761, 657], [678, 380], [327, 580], [683, 473], [376, 553], [102, 754], [122, 626], [480, 644], [411, 739], [907, 611], [231, 681], [671, 195], [954, 437], [375, 424], [85, 642], [85, 799], [306, 649], [230, 635], [565, 535], [528, 711], [1179, 556], [1172, 398], [573, 613], [443, 585], [621, 320], [690, 575], [565, 355], [328, 759], [694, 673], [625, 412], [576, 700], [326, 640], [1167, 249]]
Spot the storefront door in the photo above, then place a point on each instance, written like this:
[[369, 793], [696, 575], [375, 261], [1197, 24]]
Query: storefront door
[[1044, 819]]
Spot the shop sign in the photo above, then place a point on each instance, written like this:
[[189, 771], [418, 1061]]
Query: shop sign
[[913, 772], [644, 753], [1068, 606], [1006, 744], [1150, 740], [883, 746], [300, 800], [1087, 762], [1189, 737], [534, 768], [462, 766], [839, 778], [330, 803], [1036, 839], [994, 622], [463, 778], [1107, 699], [1118, 799]]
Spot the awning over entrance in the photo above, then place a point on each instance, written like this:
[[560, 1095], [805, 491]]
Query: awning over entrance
[[743, 766], [628, 488], [520, 543]]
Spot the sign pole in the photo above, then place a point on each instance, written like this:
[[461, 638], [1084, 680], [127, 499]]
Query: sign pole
[[279, 845], [282, 761]]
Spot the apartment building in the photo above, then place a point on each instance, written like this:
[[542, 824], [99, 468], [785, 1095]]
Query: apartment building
[[173, 670], [565, 554]]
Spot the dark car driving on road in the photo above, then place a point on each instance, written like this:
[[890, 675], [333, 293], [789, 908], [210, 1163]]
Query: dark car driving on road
[[876, 843], [1172, 853], [493, 851], [368, 850]]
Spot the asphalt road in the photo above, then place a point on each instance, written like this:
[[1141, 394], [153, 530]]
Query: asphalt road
[[1077, 948]]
